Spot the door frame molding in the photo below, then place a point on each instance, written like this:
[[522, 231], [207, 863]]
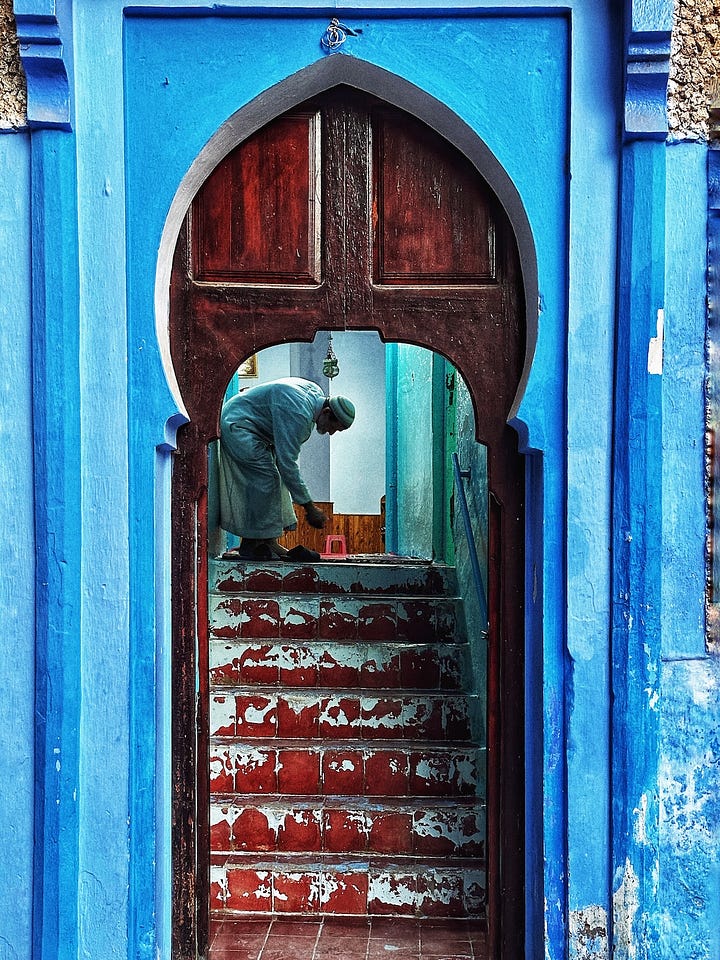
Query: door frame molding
[[284, 96]]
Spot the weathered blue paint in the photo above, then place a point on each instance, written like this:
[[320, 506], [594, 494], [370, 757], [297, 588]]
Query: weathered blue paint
[[636, 560], [17, 554], [683, 465], [713, 347], [47, 60], [543, 87], [58, 511], [109, 720]]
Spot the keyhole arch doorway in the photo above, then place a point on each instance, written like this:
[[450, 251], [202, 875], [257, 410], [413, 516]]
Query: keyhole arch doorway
[[322, 215]]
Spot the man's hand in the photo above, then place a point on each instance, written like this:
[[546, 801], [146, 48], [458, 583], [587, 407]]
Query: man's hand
[[316, 518]]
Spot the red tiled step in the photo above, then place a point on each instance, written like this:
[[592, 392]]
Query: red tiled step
[[315, 663], [425, 828], [335, 577], [377, 769], [303, 617], [340, 715], [338, 886]]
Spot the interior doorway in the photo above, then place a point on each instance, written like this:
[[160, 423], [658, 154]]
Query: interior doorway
[[346, 213]]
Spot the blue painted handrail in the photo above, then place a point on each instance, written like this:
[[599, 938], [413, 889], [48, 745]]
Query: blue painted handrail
[[475, 564]]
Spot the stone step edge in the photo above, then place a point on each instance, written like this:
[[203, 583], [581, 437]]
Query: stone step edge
[[303, 595], [384, 862], [341, 801], [351, 560], [371, 693], [396, 745]]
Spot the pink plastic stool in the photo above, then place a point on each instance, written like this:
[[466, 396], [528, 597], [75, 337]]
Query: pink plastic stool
[[329, 541]]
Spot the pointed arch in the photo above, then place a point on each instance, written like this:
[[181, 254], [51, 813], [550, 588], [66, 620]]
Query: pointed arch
[[289, 93]]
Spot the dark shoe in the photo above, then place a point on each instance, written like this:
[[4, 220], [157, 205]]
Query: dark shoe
[[254, 551], [303, 554]]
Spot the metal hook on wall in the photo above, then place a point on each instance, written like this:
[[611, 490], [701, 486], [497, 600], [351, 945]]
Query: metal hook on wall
[[335, 35]]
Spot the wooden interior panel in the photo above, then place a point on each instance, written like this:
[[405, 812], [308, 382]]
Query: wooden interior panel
[[364, 533], [238, 236], [433, 224]]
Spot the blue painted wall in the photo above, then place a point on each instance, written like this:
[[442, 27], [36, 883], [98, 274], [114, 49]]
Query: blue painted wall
[[17, 550], [623, 737]]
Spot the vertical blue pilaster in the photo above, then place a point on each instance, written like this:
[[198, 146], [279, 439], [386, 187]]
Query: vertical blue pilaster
[[637, 535], [56, 436], [713, 356]]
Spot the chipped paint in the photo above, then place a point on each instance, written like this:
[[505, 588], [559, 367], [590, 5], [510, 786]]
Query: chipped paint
[[626, 903], [588, 933], [341, 643], [389, 889]]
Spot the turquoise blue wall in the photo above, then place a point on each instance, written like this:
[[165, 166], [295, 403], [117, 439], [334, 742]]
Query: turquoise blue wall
[[623, 736], [17, 549]]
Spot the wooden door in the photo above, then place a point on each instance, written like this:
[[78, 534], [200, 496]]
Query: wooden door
[[347, 213]]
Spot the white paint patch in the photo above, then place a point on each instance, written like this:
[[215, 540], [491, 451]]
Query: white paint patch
[[686, 810], [655, 347], [702, 683], [218, 875], [255, 714], [342, 765], [387, 888], [626, 903], [588, 933], [640, 828]]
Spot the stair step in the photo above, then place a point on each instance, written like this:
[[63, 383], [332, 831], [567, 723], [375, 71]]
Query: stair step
[[305, 617], [354, 825], [329, 714], [379, 768], [340, 886], [335, 576], [315, 663]]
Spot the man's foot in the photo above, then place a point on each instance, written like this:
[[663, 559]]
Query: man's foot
[[276, 549], [250, 549]]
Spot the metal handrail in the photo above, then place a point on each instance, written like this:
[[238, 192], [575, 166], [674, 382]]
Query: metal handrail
[[470, 536]]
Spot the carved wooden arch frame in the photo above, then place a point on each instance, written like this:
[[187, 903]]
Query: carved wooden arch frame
[[313, 80], [189, 563]]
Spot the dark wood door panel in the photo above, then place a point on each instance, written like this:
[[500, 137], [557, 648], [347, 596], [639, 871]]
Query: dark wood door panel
[[433, 222], [237, 236]]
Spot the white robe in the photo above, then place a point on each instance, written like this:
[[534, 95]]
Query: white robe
[[261, 432]]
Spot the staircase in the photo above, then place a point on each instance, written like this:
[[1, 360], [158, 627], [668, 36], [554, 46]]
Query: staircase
[[344, 774]]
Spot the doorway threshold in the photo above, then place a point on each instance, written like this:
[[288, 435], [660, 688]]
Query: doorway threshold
[[349, 938]]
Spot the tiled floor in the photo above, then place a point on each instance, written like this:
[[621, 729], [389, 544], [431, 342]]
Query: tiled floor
[[346, 939]]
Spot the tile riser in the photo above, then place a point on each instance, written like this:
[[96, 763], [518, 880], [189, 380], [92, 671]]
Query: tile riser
[[332, 770], [336, 716], [329, 619], [341, 664], [354, 889], [457, 831], [335, 578]]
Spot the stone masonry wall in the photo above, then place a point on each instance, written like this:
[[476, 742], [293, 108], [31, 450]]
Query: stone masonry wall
[[13, 100], [694, 67]]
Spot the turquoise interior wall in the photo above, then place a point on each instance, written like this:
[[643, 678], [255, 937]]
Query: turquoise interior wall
[[413, 442]]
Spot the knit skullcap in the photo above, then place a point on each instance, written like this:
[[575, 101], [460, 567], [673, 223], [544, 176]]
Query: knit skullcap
[[343, 410]]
